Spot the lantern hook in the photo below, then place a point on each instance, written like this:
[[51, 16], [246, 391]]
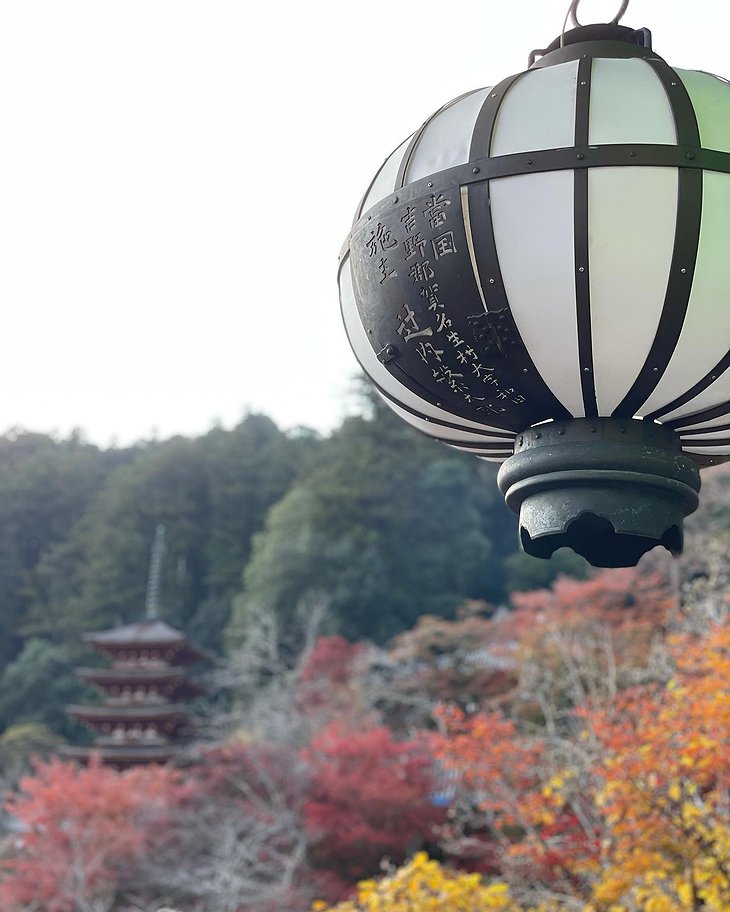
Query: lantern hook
[[572, 14]]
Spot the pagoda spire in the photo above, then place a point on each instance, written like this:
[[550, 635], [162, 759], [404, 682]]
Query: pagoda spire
[[154, 577]]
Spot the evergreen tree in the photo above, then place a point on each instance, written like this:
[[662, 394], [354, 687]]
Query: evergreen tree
[[387, 526], [36, 688], [45, 488]]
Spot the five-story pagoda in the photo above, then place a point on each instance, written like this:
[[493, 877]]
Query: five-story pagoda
[[143, 717]]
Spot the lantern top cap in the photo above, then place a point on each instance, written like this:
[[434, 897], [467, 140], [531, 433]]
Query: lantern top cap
[[602, 39]]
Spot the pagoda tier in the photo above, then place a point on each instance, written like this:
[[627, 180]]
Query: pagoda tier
[[147, 640], [168, 719], [140, 682]]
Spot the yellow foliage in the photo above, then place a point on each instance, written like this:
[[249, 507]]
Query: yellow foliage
[[675, 791], [664, 798], [426, 886]]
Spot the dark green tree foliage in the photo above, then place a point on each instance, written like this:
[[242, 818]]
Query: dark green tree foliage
[[37, 686], [211, 493], [387, 526], [45, 488], [165, 484], [20, 743], [248, 470]]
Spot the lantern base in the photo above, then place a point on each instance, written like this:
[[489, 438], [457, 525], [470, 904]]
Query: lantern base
[[608, 488]]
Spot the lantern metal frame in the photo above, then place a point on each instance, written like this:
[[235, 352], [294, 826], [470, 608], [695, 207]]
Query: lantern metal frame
[[609, 512]]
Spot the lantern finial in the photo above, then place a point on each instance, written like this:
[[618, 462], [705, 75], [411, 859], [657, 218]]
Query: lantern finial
[[573, 14]]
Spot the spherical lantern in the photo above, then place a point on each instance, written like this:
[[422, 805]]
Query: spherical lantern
[[540, 275]]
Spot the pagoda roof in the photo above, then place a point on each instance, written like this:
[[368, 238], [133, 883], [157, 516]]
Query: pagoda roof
[[123, 754], [143, 712], [147, 633], [140, 673]]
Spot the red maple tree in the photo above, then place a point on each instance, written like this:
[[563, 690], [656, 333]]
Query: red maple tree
[[82, 826], [370, 796]]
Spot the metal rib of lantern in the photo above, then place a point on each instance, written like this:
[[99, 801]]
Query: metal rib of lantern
[[553, 247]]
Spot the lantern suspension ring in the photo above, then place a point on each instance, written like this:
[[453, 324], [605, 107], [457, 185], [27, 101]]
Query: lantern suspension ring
[[573, 14], [538, 276]]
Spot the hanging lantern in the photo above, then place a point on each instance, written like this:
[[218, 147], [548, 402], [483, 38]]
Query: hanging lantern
[[540, 275]]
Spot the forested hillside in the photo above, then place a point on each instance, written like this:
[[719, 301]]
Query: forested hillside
[[369, 528]]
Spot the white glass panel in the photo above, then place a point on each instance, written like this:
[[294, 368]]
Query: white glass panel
[[533, 229], [385, 181], [708, 435], [705, 337], [710, 98], [628, 104], [632, 214], [440, 431], [377, 371], [485, 453], [445, 141], [709, 451], [713, 422], [715, 394], [538, 111]]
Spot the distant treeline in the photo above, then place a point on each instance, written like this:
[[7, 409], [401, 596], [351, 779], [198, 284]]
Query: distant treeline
[[375, 522]]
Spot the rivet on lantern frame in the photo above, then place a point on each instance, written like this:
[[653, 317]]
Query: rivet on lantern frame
[[551, 249]]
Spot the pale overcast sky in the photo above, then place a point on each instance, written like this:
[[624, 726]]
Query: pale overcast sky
[[177, 178]]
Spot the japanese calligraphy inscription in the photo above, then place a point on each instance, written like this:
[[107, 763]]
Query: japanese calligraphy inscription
[[439, 343]]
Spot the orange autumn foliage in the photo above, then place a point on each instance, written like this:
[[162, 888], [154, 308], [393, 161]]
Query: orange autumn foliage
[[630, 811], [491, 759], [665, 784], [528, 816]]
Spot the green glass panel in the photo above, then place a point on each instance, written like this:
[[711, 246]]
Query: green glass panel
[[710, 97]]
